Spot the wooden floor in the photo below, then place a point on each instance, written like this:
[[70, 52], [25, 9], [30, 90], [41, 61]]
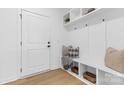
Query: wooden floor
[[55, 77]]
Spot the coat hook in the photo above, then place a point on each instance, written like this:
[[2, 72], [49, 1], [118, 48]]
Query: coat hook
[[103, 20], [75, 28], [86, 25]]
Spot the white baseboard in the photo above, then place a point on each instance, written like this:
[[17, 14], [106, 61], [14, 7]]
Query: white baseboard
[[39, 72], [55, 68], [35, 74], [7, 80], [11, 79]]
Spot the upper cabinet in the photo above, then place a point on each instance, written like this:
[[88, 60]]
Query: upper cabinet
[[90, 16]]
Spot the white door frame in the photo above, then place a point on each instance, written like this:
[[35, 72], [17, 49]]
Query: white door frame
[[19, 56]]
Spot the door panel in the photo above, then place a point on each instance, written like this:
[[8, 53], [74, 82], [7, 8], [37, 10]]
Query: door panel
[[35, 27], [84, 45], [115, 33], [35, 37], [34, 58], [97, 43]]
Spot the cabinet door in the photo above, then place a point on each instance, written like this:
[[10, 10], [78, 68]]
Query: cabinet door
[[97, 43], [115, 33]]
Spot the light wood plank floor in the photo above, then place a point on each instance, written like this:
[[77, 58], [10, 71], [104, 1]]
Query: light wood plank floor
[[55, 77]]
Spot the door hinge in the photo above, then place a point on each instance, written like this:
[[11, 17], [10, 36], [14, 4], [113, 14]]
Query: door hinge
[[20, 16], [21, 43], [20, 69]]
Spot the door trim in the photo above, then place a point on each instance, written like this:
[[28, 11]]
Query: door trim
[[35, 13], [19, 51]]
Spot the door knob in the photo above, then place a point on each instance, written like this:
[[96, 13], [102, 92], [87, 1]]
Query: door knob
[[48, 46]]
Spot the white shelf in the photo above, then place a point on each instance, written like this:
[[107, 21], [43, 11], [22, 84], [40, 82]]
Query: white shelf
[[106, 69], [81, 17], [97, 16], [95, 67], [86, 81], [85, 62]]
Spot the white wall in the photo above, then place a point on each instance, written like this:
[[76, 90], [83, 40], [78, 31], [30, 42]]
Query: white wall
[[8, 44]]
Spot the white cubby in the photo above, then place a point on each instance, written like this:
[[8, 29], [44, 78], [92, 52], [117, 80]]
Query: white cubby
[[106, 78], [94, 17], [75, 64], [84, 68], [74, 13], [84, 11], [66, 18], [81, 69]]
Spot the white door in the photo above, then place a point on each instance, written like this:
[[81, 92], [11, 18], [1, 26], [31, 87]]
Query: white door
[[35, 39]]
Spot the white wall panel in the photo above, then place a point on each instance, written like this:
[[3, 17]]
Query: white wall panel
[[97, 43], [115, 33]]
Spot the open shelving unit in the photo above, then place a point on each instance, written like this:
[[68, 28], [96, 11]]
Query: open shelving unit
[[96, 16], [76, 14], [113, 79], [82, 68], [100, 72]]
